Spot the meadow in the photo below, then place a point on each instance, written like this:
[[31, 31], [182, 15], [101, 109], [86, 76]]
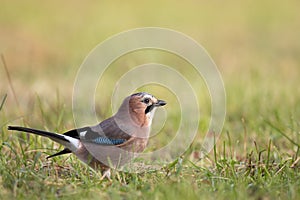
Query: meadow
[[254, 44]]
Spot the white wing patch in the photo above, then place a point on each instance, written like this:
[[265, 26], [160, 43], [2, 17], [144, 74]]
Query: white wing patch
[[82, 134]]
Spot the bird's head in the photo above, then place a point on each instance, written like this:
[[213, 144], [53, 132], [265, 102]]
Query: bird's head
[[140, 107]]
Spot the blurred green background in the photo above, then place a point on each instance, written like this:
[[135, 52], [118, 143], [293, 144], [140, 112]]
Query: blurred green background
[[255, 45], [252, 42]]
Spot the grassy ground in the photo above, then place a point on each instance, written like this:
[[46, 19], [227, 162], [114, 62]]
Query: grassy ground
[[254, 44]]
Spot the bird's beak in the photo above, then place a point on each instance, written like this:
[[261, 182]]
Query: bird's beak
[[160, 103]]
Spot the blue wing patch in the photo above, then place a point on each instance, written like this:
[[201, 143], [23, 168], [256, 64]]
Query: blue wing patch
[[107, 141]]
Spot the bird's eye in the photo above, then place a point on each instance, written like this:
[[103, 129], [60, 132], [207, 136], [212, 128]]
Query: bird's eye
[[146, 101]]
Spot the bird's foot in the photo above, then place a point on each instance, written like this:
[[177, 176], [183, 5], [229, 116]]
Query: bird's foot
[[106, 174]]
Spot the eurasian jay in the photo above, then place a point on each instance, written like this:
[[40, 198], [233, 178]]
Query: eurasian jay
[[114, 141]]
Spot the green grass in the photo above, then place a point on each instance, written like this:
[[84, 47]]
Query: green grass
[[266, 171], [255, 45]]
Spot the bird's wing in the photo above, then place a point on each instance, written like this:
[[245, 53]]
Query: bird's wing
[[109, 143], [105, 133]]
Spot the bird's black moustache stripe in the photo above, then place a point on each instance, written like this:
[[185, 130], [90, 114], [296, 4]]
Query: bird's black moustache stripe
[[149, 109]]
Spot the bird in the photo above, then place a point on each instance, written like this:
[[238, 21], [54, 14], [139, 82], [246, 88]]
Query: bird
[[112, 142]]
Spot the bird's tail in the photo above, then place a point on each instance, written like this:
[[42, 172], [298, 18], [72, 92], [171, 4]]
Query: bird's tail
[[65, 140], [54, 136]]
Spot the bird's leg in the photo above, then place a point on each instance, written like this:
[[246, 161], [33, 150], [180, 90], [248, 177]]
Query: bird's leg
[[106, 174]]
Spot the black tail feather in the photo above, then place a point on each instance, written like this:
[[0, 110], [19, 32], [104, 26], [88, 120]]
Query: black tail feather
[[54, 136], [65, 151]]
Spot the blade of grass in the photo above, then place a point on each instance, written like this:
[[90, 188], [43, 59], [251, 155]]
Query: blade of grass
[[215, 151], [3, 101], [229, 144], [9, 80], [269, 153], [282, 133]]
